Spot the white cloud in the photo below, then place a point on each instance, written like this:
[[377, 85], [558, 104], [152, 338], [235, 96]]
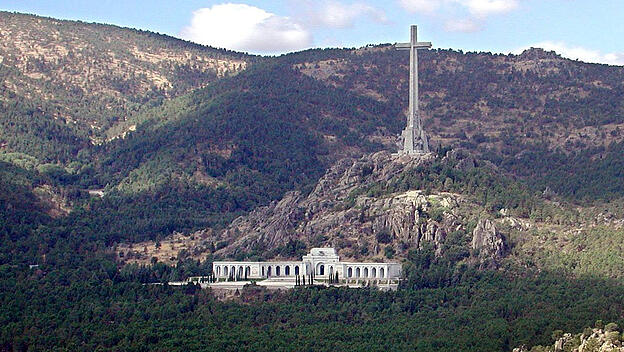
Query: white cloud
[[482, 8], [462, 25], [338, 15], [475, 7], [577, 53], [476, 10], [426, 6], [246, 28]]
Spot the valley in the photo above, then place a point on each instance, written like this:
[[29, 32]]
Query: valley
[[130, 159]]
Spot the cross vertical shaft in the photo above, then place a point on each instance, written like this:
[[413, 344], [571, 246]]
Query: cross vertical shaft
[[413, 79], [414, 137]]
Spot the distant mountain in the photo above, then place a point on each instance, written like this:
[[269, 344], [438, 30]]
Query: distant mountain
[[478, 99], [537, 115], [66, 83]]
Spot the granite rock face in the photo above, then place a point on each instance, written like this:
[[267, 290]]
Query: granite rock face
[[347, 210], [487, 243], [269, 225]]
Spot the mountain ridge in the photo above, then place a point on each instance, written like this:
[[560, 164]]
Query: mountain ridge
[[331, 104], [89, 76]]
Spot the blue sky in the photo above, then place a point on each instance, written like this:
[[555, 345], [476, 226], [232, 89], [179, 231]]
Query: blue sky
[[588, 30]]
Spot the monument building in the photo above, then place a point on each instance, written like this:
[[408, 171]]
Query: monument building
[[321, 263]]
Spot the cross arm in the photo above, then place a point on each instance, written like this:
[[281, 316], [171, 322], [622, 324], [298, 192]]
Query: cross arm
[[417, 45]]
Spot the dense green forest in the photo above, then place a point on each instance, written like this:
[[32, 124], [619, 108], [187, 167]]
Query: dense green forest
[[79, 299], [84, 302]]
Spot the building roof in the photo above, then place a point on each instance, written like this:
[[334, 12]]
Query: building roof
[[323, 252]]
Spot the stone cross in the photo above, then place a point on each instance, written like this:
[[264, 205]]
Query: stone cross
[[414, 137]]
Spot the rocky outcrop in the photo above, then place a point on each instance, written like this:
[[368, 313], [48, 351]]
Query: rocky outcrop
[[348, 211], [537, 54], [270, 225], [336, 210], [608, 339], [487, 243]]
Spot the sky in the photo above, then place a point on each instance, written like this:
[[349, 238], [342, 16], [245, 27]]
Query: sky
[[588, 30]]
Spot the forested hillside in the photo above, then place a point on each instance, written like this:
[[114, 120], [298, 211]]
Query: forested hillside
[[242, 140], [355, 106], [554, 121], [220, 151], [73, 81]]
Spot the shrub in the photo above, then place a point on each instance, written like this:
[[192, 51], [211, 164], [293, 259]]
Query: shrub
[[384, 237], [318, 240], [389, 252], [611, 327], [557, 334], [436, 214], [592, 345], [221, 244]]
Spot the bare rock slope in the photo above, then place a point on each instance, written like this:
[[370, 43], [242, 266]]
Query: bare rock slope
[[349, 210]]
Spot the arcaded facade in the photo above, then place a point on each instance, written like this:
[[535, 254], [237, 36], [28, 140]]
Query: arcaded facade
[[321, 262]]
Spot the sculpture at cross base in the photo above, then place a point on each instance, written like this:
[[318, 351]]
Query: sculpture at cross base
[[414, 137]]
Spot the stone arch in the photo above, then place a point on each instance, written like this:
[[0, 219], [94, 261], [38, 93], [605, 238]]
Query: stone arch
[[218, 270], [247, 271], [240, 271], [357, 272], [331, 270], [365, 272], [296, 269], [263, 271], [287, 270], [374, 272], [350, 272], [269, 271], [320, 269], [382, 273], [277, 271], [225, 271]]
